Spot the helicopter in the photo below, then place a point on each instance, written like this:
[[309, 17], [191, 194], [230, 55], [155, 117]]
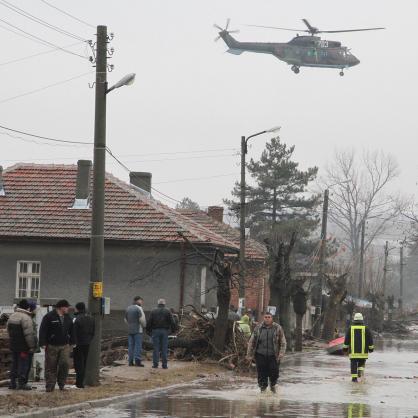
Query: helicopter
[[301, 51]]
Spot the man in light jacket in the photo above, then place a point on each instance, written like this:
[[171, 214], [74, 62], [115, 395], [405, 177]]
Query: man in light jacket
[[135, 318], [268, 345], [23, 343]]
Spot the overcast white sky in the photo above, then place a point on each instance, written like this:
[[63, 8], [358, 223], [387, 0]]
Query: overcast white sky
[[191, 96]]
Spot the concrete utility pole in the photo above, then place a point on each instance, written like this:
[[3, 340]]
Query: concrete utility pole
[[385, 267], [317, 294], [361, 269], [97, 220], [401, 264], [242, 216]]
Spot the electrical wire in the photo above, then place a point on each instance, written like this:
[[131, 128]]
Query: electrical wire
[[183, 158], [46, 138], [44, 88], [124, 166], [68, 14], [180, 152], [198, 178], [37, 55], [42, 22], [38, 39]]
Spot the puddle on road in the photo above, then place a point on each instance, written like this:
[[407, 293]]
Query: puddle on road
[[312, 386]]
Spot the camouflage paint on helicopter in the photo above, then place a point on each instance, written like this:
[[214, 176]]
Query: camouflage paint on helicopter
[[301, 51]]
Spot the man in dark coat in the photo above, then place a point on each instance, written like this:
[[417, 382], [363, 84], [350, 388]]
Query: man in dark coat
[[160, 324], [56, 335], [23, 343], [83, 334]]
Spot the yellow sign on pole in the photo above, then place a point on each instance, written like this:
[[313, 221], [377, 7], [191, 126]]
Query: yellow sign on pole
[[97, 289]]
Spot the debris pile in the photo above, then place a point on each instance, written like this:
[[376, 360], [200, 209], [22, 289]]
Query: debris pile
[[396, 327], [194, 341], [5, 354]]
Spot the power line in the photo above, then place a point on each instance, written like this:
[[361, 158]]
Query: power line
[[34, 141], [180, 152], [124, 166], [46, 138], [45, 87], [183, 158], [37, 55], [68, 14], [198, 178], [42, 22], [38, 39]]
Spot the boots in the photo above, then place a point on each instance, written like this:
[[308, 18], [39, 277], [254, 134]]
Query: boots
[[138, 363]]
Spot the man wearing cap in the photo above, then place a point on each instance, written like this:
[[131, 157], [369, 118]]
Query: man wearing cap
[[135, 318], [23, 343], [359, 343], [56, 335], [160, 324], [268, 346]]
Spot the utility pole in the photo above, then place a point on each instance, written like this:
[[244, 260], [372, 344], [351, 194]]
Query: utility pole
[[97, 221], [241, 289], [385, 268], [321, 271], [361, 269], [401, 278]]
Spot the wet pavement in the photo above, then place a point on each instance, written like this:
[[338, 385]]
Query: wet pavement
[[311, 385]]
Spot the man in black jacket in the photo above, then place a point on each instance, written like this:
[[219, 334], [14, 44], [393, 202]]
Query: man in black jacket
[[23, 342], [56, 335], [83, 334], [160, 325]]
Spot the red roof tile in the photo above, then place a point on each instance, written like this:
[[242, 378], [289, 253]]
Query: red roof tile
[[253, 249], [38, 201]]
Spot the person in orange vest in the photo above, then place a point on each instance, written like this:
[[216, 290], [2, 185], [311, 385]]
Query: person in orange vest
[[359, 343]]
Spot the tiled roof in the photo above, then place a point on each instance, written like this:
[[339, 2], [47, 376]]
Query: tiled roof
[[38, 201], [253, 249]]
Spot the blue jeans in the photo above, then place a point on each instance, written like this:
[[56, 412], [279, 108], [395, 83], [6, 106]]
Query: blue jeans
[[21, 365], [134, 347], [160, 343]]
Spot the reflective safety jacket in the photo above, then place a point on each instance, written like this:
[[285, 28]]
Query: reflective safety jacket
[[358, 341]]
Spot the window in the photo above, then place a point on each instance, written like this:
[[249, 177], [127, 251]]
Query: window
[[28, 279], [203, 286]]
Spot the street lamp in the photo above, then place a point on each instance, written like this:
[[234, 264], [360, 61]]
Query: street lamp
[[244, 150], [98, 203]]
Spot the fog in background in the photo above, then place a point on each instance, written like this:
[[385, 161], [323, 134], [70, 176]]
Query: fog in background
[[190, 95]]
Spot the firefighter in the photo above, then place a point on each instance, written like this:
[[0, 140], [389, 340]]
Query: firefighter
[[359, 343]]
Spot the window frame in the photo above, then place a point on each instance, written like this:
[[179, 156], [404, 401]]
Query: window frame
[[30, 279]]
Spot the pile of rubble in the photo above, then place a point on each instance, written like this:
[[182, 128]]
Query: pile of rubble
[[5, 354]]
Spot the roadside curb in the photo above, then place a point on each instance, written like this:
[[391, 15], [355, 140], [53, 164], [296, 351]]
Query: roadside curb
[[95, 403]]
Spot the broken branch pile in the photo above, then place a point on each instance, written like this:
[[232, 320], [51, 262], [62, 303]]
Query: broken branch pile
[[195, 341], [5, 354]]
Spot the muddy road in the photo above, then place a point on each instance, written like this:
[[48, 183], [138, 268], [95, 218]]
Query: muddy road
[[311, 385]]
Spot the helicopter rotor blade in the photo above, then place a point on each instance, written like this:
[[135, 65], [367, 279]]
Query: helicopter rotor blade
[[228, 21], [217, 27], [349, 30], [275, 27], [234, 31], [311, 29], [217, 38]]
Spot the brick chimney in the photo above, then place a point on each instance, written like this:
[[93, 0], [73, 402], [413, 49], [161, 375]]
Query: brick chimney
[[216, 212], [82, 191], [2, 191], [141, 180]]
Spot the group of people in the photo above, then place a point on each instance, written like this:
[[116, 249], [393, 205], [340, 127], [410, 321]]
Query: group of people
[[58, 335], [161, 323]]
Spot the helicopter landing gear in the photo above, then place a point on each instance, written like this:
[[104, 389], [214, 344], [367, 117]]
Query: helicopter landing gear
[[295, 69], [342, 73]]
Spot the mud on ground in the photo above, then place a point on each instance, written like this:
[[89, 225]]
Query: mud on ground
[[115, 381]]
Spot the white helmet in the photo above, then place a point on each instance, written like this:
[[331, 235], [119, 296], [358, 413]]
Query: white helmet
[[358, 316]]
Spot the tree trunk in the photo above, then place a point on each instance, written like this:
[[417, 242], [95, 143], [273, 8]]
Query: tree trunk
[[298, 336], [223, 273], [338, 290]]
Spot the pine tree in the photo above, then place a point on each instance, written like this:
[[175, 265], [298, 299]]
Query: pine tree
[[279, 199]]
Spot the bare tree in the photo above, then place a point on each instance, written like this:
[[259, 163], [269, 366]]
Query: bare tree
[[360, 192]]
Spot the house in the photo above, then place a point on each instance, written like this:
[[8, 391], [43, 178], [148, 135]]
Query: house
[[150, 249]]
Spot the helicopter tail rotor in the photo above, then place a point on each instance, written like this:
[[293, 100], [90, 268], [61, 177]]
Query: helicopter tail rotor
[[223, 31]]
